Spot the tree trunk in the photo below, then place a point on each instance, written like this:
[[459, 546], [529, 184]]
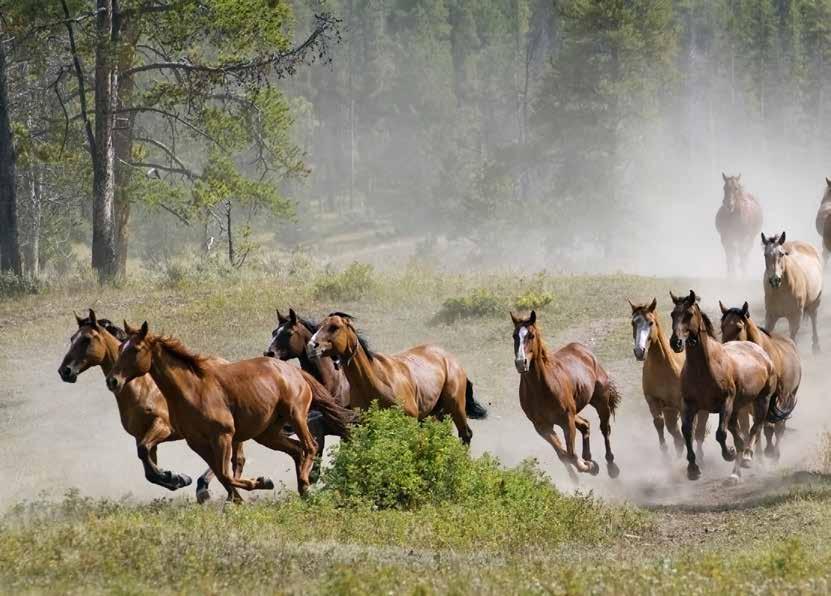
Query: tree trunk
[[9, 241], [31, 253], [104, 258]]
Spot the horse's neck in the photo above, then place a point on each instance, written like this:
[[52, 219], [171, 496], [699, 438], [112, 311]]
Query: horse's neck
[[660, 354], [701, 355], [171, 376], [755, 335], [111, 345], [322, 369], [362, 375]]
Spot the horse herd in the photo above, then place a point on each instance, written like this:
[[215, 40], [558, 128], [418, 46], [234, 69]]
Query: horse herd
[[166, 392]]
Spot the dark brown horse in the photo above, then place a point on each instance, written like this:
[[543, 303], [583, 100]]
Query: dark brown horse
[[736, 325], [720, 378], [141, 406], [216, 406], [423, 381], [555, 386], [823, 222], [738, 221]]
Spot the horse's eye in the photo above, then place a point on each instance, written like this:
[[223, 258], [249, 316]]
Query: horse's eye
[[332, 328]]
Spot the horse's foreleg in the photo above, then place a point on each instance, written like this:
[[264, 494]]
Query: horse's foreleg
[[794, 322], [146, 450], [204, 481], [700, 432], [552, 439], [687, 418], [728, 420], [657, 421], [814, 334], [671, 417]]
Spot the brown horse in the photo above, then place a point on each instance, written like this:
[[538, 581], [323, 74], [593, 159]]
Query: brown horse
[[216, 406], [661, 378], [823, 222], [736, 325], [793, 284], [555, 387], [423, 381], [738, 221], [141, 406], [720, 378]]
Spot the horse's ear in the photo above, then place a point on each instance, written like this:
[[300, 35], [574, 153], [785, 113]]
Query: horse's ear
[[632, 306], [764, 240], [724, 176], [692, 298], [782, 238], [292, 316], [143, 331], [653, 305], [533, 318], [515, 319], [723, 308], [280, 318], [746, 310], [675, 298], [828, 180], [92, 318], [129, 329], [78, 319]]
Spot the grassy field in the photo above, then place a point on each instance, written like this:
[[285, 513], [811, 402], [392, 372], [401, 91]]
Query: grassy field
[[650, 531]]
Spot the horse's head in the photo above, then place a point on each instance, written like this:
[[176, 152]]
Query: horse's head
[[134, 358], [688, 322], [644, 328], [87, 348], [732, 190], [289, 339], [734, 322], [827, 196], [775, 253], [526, 336], [336, 338]]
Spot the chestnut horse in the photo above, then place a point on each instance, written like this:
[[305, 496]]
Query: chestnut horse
[[216, 406], [736, 325], [661, 378], [823, 222], [555, 387], [423, 381], [720, 378], [738, 221], [793, 284], [141, 406]]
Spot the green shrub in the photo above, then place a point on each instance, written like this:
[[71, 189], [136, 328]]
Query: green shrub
[[12, 285], [352, 283], [532, 300], [481, 302]]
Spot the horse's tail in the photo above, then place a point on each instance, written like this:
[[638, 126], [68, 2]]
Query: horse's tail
[[473, 408], [614, 397], [337, 420], [777, 413]]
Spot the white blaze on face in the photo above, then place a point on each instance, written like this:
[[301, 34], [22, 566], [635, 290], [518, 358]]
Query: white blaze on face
[[273, 345], [520, 350], [641, 333], [125, 345]]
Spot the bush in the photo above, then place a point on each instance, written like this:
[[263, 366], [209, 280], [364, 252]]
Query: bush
[[532, 300], [481, 302], [352, 283], [13, 286]]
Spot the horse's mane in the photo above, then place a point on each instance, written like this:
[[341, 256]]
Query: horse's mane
[[174, 346], [361, 339], [541, 348], [109, 326], [740, 313], [708, 324]]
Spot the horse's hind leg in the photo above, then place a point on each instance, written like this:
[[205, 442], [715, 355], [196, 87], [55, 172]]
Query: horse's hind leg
[[146, 448], [770, 447], [307, 443], [603, 411], [585, 429], [203, 483]]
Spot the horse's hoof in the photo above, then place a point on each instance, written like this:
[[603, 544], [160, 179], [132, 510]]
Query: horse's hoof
[[732, 480], [693, 472], [203, 495], [770, 452], [265, 483], [183, 481], [728, 454], [594, 468], [612, 469]]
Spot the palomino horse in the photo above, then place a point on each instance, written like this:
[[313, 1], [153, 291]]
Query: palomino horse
[[555, 387], [793, 284], [823, 222], [720, 378], [216, 406], [423, 381], [141, 406], [661, 379], [738, 221], [736, 325]]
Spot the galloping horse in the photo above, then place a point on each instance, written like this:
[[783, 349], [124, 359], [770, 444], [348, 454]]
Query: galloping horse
[[141, 406], [423, 381], [793, 284], [720, 378], [216, 406], [823, 222], [736, 325], [555, 387], [738, 221], [661, 379]]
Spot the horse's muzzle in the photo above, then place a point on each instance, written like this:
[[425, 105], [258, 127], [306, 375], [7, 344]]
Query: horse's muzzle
[[521, 366], [640, 353], [67, 375], [314, 351], [268, 354], [677, 344], [113, 384], [775, 282]]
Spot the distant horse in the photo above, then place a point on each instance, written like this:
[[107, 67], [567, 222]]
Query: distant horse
[[738, 221], [720, 378], [216, 406], [736, 325], [423, 381], [793, 284], [661, 378], [142, 407], [823, 222], [555, 387]]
